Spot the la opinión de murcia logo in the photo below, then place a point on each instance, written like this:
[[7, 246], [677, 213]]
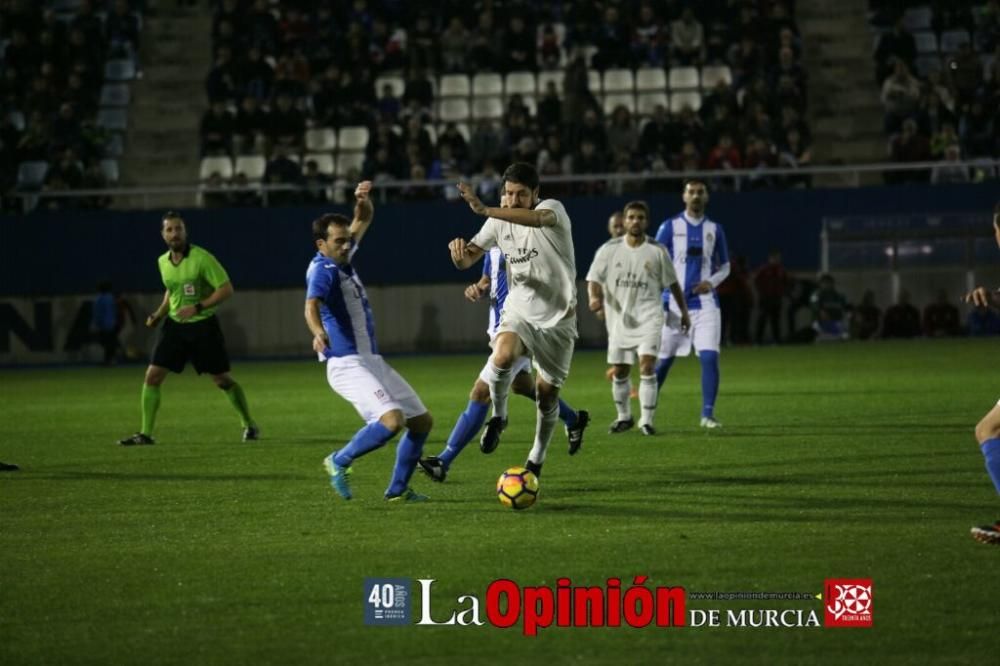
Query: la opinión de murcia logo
[[848, 602]]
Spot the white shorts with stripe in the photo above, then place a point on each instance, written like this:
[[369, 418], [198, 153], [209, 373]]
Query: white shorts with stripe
[[550, 347], [372, 386], [705, 333], [622, 353]]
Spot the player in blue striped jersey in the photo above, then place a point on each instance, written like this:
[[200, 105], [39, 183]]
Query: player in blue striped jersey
[[494, 283], [988, 428], [340, 318], [697, 246]]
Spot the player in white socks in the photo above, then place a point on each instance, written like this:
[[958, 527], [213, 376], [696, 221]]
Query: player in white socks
[[625, 283], [539, 316]]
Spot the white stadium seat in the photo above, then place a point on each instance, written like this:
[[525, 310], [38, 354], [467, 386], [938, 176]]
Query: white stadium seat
[[221, 165], [353, 137], [650, 79]]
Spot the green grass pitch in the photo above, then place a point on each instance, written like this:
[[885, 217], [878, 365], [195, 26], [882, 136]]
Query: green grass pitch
[[854, 460]]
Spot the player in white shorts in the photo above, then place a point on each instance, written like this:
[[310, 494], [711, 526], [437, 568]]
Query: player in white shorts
[[697, 246], [340, 318], [988, 428], [625, 284], [494, 283], [539, 316]]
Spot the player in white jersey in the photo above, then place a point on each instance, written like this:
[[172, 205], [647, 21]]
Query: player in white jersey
[[340, 318], [697, 246], [493, 283], [988, 428], [539, 316], [625, 283]]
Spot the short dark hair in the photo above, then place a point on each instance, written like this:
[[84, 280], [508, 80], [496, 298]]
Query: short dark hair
[[320, 225], [523, 174], [693, 181], [637, 205], [171, 215]]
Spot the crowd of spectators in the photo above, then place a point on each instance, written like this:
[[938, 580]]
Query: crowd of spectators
[[280, 69], [938, 68], [52, 66]]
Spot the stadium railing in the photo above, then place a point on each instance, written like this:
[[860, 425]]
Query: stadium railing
[[190, 194]]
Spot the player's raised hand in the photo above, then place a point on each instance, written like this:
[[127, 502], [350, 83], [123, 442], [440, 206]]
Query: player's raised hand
[[363, 208], [980, 297], [458, 249], [469, 194]]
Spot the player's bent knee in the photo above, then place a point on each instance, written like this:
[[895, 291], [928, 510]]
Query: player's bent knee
[[393, 420], [421, 424]]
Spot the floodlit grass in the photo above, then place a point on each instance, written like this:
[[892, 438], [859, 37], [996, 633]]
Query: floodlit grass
[[853, 461]]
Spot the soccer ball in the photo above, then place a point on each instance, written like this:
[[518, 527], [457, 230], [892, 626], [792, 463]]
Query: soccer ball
[[517, 488]]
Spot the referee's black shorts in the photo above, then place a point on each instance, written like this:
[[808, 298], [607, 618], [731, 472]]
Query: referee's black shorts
[[200, 342]]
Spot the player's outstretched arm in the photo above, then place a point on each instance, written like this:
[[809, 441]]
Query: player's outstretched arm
[[160, 312], [364, 210], [464, 254], [522, 216], [320, 339]]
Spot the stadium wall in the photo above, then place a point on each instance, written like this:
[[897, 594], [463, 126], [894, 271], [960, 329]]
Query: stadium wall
[[52, 262]]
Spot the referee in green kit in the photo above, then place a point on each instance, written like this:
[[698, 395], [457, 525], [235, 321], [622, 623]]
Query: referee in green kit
[[196, 284]]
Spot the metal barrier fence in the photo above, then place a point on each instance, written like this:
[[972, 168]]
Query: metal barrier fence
[[194, 195]]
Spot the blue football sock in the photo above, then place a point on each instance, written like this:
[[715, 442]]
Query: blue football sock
[[407, 453], [662, 368], [468, 424], [709, 381], [991, 451], [367, 439], [567, 414]]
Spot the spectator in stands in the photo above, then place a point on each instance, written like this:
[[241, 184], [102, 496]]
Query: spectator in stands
[[787, 67], [941, 317], [966, 73], [553, 158], [382, 166], [621, 133], [221, 81], [65, 128], [314, 184], [282, 171], [214, 192], [772, 284], [760, 157], [33, 144], [659, 136], [94, 179], [901, 320], [724, 155], [241, 192], [687, 39], [65, 174], [794, 153], [577, 97], [611, 37], [41, 98], [415, 132], [418, 89], [123, 31], [249, 127], [589, 159], [519, 45], [976, 129], [82, 98], [385, 47], [255, 76], [87, 57], [736, 302], [829, 310], [745, 60], [388, 104], [688, 159], [261, 27], [952, 170], [932, 115], [549, 110], [286, 126], [217, 127], [485, 144], [866, 318], [650, 38], [900, 95], [485, 45], [897, 44], [909, 146], [452, 138], [418, 191], [549, 53], [983, 321]]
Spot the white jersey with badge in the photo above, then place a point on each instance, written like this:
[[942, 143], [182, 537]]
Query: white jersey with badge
[[633, 280], [541, 267]]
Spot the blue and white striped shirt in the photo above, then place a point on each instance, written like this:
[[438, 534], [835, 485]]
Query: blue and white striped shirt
[[698, 250], [344, 308], [495, 266]]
